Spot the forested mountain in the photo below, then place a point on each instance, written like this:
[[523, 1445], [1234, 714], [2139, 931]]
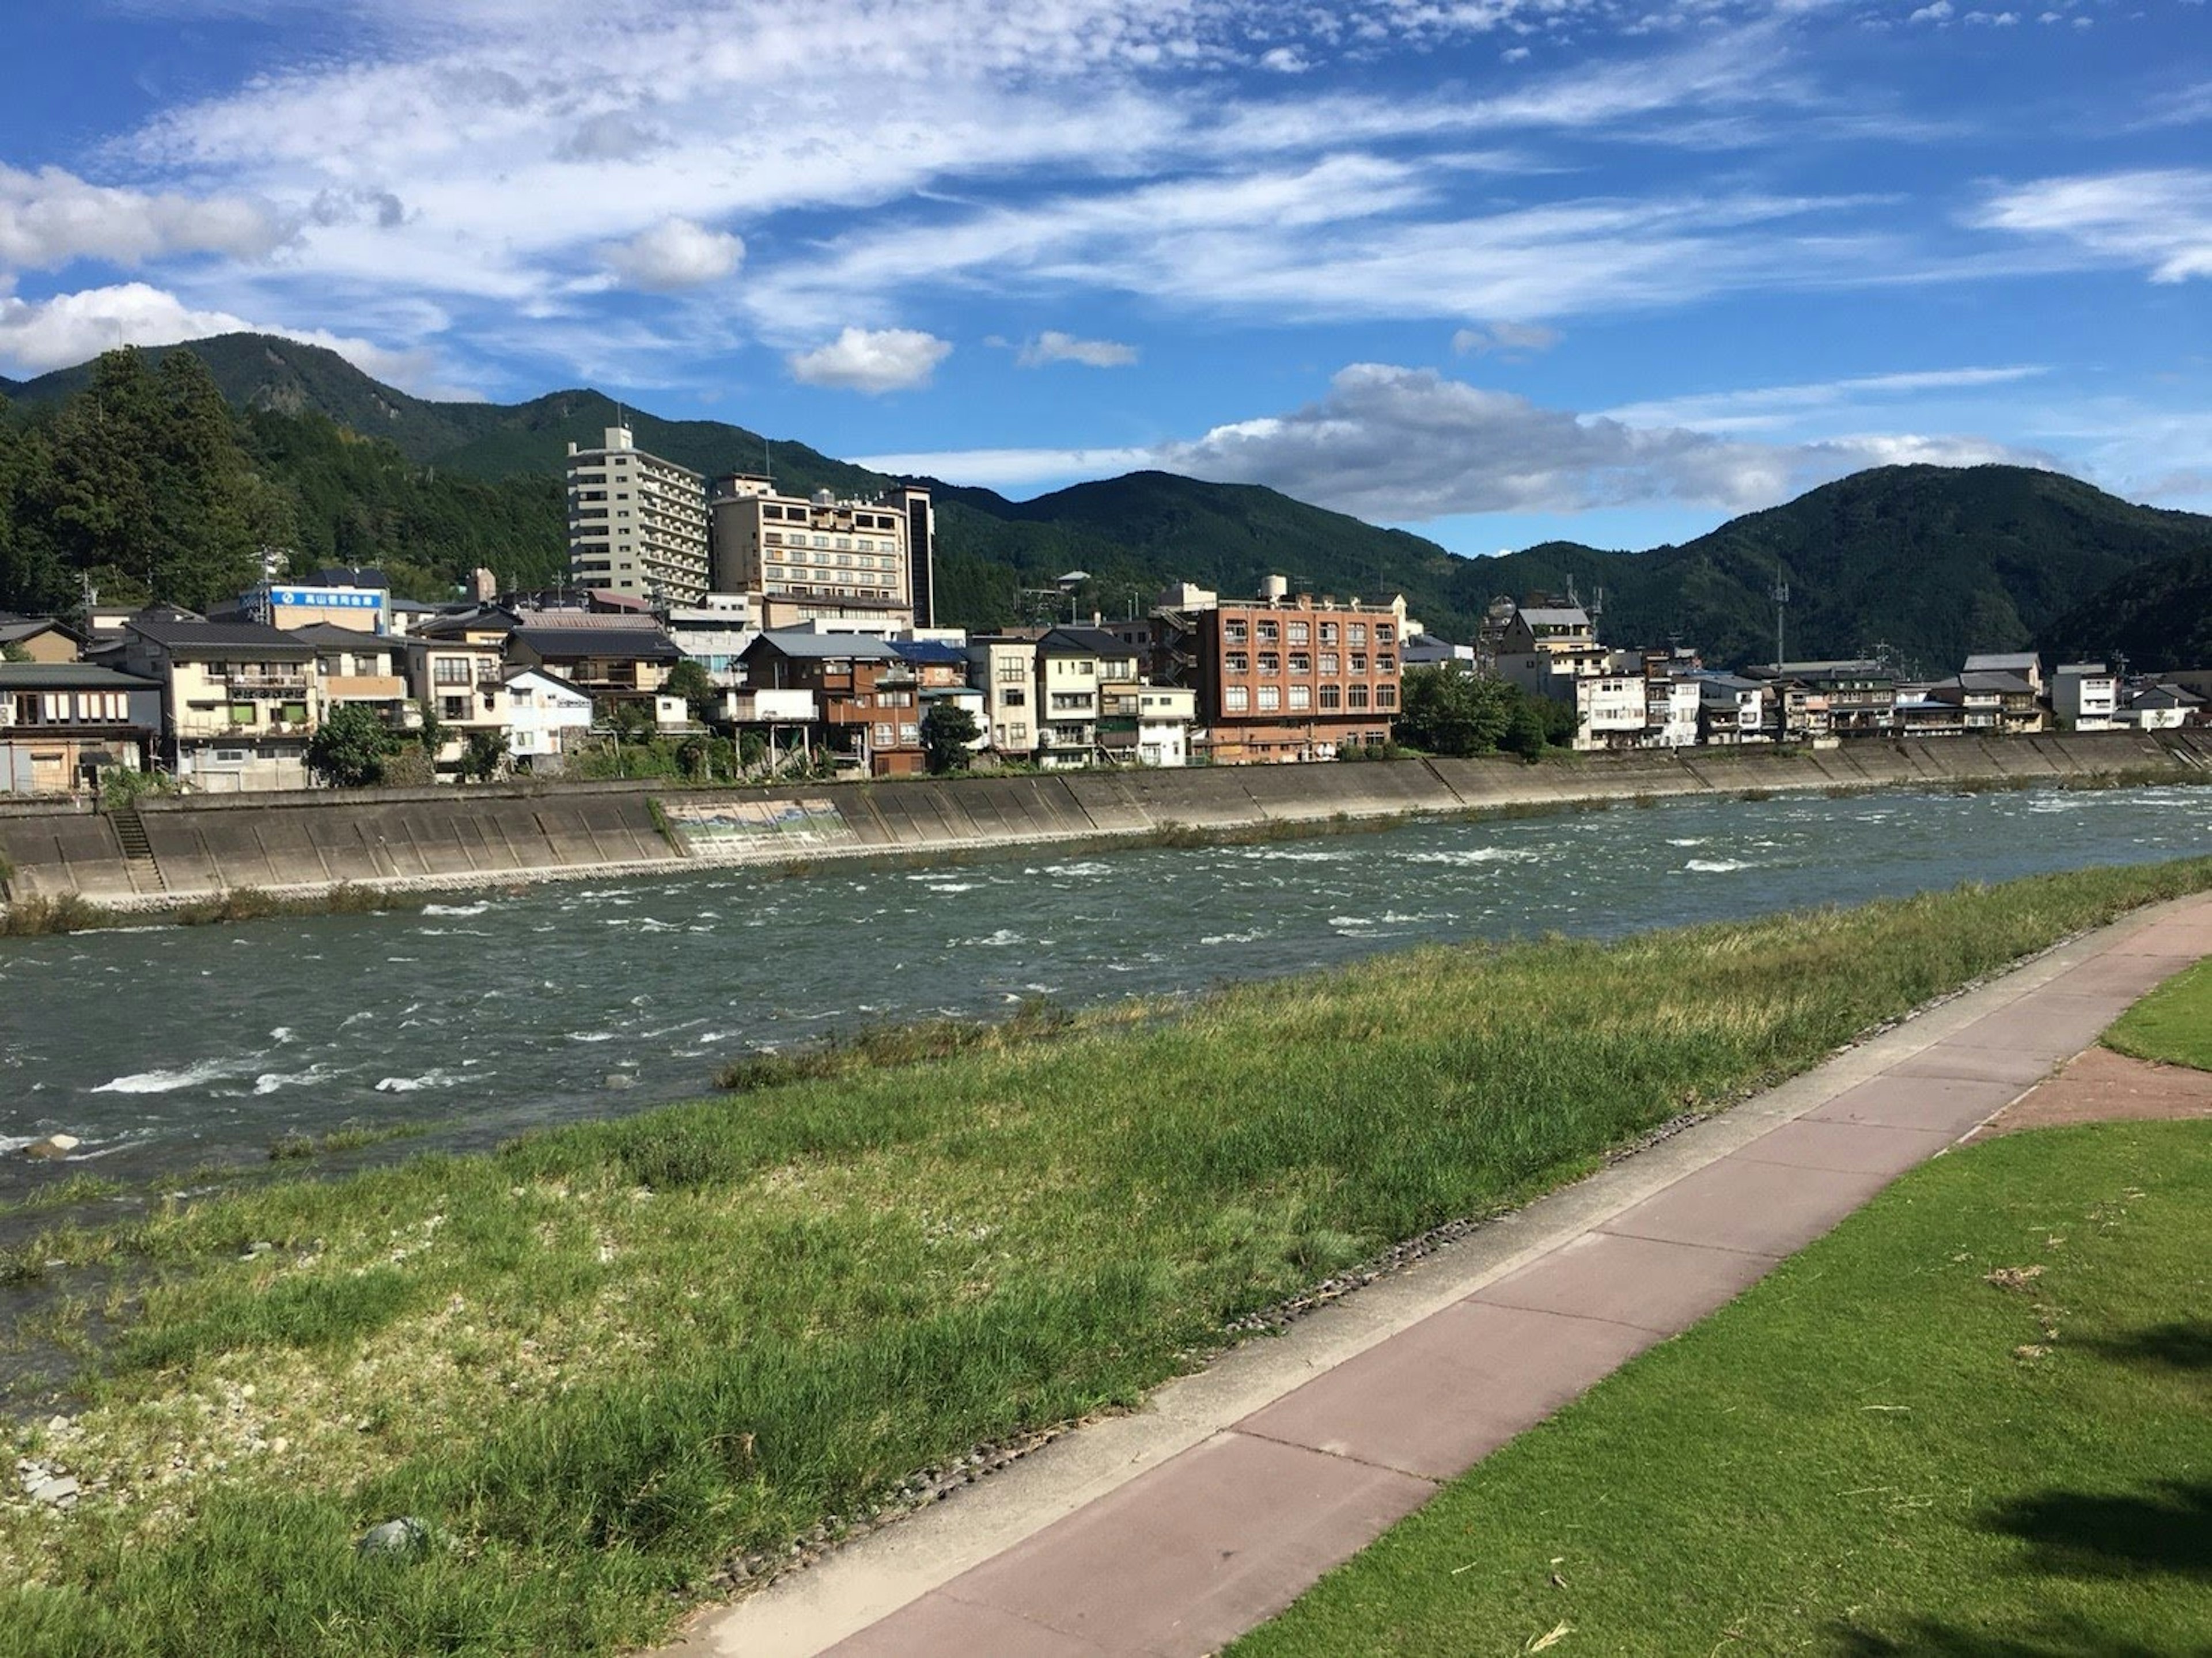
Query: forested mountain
[[2158, 616], [1929, 561]]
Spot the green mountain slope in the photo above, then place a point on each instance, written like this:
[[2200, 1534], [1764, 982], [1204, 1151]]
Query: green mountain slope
[[1932, 562], [2158, 616]]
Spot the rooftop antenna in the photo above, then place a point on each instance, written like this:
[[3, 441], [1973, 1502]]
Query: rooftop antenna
[[1780, 594]]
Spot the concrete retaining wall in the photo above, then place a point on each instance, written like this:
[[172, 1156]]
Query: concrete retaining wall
[[301, 841]]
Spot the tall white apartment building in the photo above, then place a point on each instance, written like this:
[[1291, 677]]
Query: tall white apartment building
[[819, 557], [637, 524]]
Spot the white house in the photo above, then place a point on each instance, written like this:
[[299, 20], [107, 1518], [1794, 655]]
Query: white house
[[2085, 695], [546, 718]]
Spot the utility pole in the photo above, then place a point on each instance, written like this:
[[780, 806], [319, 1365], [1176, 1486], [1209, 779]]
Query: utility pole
[[1780, 594]]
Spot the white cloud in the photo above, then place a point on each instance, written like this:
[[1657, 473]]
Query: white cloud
[[873, 360], [1053, 346], [1010, 468], [1513, 338], [38, 335], [521, 154], [2160, 219], [675, 253], [50, 217], [1767, 406], [1402, 445], [1938, 12]]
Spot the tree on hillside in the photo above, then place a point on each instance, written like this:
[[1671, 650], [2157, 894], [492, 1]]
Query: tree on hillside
[[152, 495], [32, 579], [948, 732], [349, 748]]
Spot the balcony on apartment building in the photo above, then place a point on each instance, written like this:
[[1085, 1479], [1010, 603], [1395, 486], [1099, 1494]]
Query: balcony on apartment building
[[274, 680]]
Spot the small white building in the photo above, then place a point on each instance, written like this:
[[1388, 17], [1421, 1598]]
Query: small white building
[[2085, 695], [1671, 705], [1146, 724], [547, 718]]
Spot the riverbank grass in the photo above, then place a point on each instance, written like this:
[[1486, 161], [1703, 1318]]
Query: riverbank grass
[[2172, 1025], [1969, 1423], [604, 1361]]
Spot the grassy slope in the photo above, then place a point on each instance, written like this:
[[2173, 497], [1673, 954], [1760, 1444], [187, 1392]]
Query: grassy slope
[[601, 1359], [1877, 1451], [2172, 1025]]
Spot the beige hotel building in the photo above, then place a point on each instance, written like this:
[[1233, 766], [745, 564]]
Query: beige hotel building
[[817, 556]]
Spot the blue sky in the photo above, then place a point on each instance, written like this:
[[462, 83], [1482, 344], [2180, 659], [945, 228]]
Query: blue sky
[[1494, 271]]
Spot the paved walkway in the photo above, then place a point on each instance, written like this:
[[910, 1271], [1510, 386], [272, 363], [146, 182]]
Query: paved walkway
[[1172, 1530]]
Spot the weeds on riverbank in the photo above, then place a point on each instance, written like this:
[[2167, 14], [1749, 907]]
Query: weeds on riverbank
[[296, 1145], [606, 1360], [1037, 1019]]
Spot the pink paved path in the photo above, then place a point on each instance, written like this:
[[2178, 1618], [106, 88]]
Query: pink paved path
[[1173, 1537]]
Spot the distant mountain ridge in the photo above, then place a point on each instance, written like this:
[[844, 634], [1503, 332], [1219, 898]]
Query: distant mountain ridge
[[2157, 618], [1929, 562]]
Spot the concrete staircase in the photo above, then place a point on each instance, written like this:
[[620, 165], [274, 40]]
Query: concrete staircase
[[137, 850]]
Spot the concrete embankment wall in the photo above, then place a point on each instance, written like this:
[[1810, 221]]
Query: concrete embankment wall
[[198, 845]]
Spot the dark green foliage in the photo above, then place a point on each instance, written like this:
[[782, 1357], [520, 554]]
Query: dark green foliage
[[483, 756], [361, 501], [2159, 617], [1931, 562], [349, 748], [138, 484], [1447, 711], [695, 686], [947, 730]]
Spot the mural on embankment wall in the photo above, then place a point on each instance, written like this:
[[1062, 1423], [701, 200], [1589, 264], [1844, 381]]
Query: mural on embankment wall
[[193, 846]]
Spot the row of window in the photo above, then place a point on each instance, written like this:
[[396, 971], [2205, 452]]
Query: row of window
[[844, 543], [1269, 699], [909, 735], [804, 514], [1238, 632], [798, 555], [1302, 662], [55, 707]]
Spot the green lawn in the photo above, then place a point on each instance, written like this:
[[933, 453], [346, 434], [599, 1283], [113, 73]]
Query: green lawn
[[600, 1360], [2173, 1023], [1975, 1421]]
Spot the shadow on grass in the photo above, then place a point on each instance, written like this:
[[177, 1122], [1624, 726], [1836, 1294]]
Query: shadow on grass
[[2183, 1345], [1928, 1637], [2165, 1528]]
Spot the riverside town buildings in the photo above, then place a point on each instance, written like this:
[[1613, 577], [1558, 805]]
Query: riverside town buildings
[[814, 661]]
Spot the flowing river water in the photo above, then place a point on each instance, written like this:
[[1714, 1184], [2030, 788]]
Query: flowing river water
[[165, 1048]]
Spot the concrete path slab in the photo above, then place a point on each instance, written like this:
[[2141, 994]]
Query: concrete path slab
[[1194, 1553], [1437, 1398], [1757, 1208], [1175, 1528], [1856, 1148], [939, 1626], [1661, 1287], [1940, 1104]]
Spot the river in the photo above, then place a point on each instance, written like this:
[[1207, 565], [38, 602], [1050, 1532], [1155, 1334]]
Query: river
[[163, 1048]]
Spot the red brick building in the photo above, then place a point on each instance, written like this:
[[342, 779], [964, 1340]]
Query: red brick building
[[1284, 678]]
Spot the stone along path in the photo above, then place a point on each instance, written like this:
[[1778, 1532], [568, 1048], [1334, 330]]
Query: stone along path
[[1170, 1530]]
